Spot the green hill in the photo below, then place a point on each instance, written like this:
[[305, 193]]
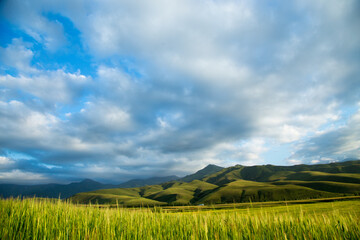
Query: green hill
[[145, 182], [208, 170], [248, 191], [105, 198], [240, 184]]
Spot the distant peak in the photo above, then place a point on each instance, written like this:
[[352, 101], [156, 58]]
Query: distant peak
[[212, 166], [208, 170], [87, 180]]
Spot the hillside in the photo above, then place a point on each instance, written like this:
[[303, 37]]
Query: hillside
[[149, 181], [208, 170], [214, 184], [174, 193]]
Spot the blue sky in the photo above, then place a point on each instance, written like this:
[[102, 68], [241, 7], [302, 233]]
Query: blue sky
[[115, 90]]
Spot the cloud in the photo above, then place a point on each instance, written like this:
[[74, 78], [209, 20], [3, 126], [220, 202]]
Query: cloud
[[333, 145], [5, 162], [178, 83], [21, 177], [100, 120], [242, 152], [296, 161], [50, 86], [17, 120], [16, 55], [30, 131], [28, 17]]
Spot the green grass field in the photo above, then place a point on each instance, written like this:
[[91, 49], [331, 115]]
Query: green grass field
[[55, 219]]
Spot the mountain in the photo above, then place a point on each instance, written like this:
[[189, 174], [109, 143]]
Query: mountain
[[51, 190], [208, 170], [239, 184], [270, 173], [149, 181], [65, 191]]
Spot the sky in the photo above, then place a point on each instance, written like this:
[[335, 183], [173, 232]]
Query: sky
[[119, 89]]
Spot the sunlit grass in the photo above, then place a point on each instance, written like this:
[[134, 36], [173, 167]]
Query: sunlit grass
[[43, 219]]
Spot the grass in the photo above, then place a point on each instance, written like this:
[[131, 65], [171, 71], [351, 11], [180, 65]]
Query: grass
[[45, 219], [321, 176], [173, 193], [250, 191]]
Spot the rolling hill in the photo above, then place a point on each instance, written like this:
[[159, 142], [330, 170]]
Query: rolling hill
[[214, 184], [148, 181]]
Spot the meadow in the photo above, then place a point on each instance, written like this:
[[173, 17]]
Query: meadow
[[56, 219]]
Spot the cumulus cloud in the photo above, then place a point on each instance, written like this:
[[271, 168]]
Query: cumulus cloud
[[23, 125], [50, 86], [5, 162], [242, 152], [296, 161], [30, 131], [180, 83], [28, 16], [21, 177], [101, 121], [17, 55], [333, 145]]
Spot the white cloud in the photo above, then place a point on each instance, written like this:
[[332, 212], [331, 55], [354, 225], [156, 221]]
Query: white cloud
[[24, 128], [17, 55], [333, 145], [231, 153], [20, 122], [327, 159], [294, 161], [184, 83], [28, 15], [105, 116], [114, 79], [4, 161], [211, 43], [22, 177], [50, 86]]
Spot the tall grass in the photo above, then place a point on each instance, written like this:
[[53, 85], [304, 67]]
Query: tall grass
[[44, 219]]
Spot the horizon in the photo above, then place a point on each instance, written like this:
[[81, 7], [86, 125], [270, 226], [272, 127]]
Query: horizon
[[180, 177], [119, 90]]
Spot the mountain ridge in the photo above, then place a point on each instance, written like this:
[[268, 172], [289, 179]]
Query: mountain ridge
[[240, 184], [148, 181], [208, 170], [55, 190]]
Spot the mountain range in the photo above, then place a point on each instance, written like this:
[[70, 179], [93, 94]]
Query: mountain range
[[53, 190], [210, 185], [214, 185]]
